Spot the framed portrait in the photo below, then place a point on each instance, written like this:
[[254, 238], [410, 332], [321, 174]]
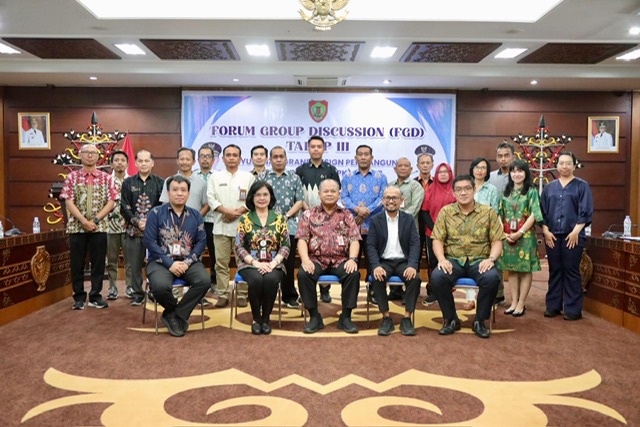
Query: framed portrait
[[603, 134], [34, 131]]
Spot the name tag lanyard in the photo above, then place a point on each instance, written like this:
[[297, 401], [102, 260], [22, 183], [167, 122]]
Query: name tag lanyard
[[176, 245]]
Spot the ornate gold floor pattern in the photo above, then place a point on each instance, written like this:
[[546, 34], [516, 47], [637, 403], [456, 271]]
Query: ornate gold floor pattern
[[142, 402]]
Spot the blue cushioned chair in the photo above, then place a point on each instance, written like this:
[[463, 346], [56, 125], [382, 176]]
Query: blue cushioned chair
[[468, 283], [326, 279], [237, 279], [393, 280]]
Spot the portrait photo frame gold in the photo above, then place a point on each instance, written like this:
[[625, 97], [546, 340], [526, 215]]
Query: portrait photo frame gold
[[34, 131], [603, 134]]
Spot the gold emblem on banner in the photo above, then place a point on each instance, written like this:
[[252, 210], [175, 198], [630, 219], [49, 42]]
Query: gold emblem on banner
[[41, 267], [323, 13]]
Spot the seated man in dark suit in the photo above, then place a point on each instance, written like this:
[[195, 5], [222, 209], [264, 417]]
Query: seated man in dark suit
[[467, 240], [175, 238], [393, 248]]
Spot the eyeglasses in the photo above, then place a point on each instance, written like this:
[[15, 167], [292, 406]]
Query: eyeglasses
[[391, 198], [480, 168], [205, 156], [463, 189]]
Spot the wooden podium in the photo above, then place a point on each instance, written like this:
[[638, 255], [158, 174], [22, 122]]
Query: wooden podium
[[34, 273]]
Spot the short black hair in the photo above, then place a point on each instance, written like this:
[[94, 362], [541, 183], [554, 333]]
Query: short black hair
[[319, 138], [257, 147], [144, 151], [476, 162], [568, 153], [505, 144], [122, 153], [522, 165], [191, 150], [252, 193], [364, 146], [206, 147], [277, 147], [179, 179], [232, 146], [461, 178]]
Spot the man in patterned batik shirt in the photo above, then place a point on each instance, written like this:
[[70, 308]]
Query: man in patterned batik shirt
[[287, 188], [176, 238], [328, 243], [89, 195], [362, 195], [117, 224], [140, 193]]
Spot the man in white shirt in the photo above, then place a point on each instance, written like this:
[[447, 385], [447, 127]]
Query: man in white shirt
[[227, 193], [33, 137], [602, 141]]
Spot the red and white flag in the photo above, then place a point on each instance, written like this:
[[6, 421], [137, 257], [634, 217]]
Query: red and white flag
[[128, 148]]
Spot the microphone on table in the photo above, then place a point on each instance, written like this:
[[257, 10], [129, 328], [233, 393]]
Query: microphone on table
[[12, 231], [615, 234]]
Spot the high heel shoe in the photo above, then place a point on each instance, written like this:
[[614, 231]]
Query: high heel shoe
[[520, 313], [509, 310]]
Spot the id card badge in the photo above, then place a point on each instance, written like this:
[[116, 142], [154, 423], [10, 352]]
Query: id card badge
[[175, 248], [243, 194], [263, 250], [340, 241], [514, 224]]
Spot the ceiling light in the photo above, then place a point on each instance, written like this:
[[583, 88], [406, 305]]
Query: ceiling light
[[258, 50], [7, 49], [510, 53], [634, 31], [386, 82], [383, 52], [236, 80], [93, 78], [130, 49], [630, 56], [534, 82]]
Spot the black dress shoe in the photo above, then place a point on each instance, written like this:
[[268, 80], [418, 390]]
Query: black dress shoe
[[509, 311], [386, 328], [324, 295], [314, 325], [519, 313], [266, 328], [184, 324], [450, 326], [551, 313], [347, 325], [256, 329], [568, 316], [499, 300], [480, 330], [406, 327], [170, 321]]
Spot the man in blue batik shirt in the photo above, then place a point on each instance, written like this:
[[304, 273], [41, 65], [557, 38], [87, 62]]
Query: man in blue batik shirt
[[175, 238], [362, 194]]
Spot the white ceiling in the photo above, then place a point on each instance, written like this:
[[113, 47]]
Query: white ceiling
[[572, 21]]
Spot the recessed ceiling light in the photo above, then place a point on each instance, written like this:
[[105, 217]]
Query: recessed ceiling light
[[236, 80], [510, 53], [93, 78], [534, 82], [258, 50], [630, 56], [386, 82], [383, 51], [634, 31], [130, 49], [8, 49]]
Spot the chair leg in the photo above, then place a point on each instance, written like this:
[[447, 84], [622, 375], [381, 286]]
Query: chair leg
[[232, 302], [155, 310], [368, 303], [202, 315], [144, 303]]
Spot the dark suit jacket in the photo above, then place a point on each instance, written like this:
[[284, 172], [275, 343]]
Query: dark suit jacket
[[407, 233]]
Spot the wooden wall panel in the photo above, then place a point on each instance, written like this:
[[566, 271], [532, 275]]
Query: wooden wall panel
[[484, 119]]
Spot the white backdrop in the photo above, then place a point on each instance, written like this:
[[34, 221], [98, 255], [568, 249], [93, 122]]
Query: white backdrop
[[394, 125]]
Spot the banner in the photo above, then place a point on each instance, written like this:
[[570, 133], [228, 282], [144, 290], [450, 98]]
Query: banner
[[394, 125]]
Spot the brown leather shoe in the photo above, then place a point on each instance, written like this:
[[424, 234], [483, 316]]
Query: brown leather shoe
[[222, 302]]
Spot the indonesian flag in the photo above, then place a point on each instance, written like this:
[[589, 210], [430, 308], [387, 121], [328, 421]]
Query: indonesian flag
[[25, 123], [132, 169]]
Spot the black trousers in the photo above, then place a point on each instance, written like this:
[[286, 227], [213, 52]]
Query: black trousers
[[208, 228], [565, 283], [262, 291], [396, 267], [95, 244], [161, 284], [288, 286], [136, 253], [350, 285], [442, 283]]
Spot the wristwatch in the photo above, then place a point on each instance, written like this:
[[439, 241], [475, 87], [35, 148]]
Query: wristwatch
[[493, 260], [354, 259], [96, 219]]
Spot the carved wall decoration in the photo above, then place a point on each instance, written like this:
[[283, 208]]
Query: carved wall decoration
[[586, 270], [41, 267]]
